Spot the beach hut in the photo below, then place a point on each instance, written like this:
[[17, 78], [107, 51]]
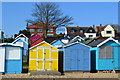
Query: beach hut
[[43, 57], [76, 57], [35, 42], [61, 42], [105, 54], [22, 40], [34, 37], [10, 58], [23, 37]]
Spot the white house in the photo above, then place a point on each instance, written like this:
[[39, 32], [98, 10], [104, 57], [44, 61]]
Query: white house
[[90, 33], [108, 31]]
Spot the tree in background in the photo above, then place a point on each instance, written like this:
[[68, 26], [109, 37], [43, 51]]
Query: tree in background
[[49, 14], [25, 32]]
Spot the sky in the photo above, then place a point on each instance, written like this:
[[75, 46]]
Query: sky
[[85, 14]]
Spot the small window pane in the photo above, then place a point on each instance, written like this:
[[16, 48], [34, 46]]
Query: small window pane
[[90, 30], [109, 32], [32, 30], [72, 31], [90, 35], [50, 30], [39, 30], [12, 53], [80, 30], [105, 52]]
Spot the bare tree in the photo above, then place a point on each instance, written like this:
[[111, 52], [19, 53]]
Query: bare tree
[[49, 13]]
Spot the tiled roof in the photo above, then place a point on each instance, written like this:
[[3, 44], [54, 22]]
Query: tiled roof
[[38, 25], [101, 28]]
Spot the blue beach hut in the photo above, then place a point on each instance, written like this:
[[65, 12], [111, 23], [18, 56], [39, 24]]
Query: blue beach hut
[[10, 58], [105, 54], [76, 57], [23, 41]]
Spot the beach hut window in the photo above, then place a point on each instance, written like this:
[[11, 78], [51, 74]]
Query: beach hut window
[[12, 53], [105, 52]]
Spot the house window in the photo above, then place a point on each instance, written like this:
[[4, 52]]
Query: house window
[[80, 30], [105, 52], [32, 30], [90, 35], [108, 32], [90, 30], [39, 30], [72, 30], [50, 30]]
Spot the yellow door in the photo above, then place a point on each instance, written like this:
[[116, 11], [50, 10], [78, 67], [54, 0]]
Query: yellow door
[[47, 59], [44, 59]]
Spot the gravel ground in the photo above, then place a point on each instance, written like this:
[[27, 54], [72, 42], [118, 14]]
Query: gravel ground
[[67, 75]]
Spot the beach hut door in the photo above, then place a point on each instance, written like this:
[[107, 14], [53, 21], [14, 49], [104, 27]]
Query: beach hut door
[[44, 59], [2, 59]]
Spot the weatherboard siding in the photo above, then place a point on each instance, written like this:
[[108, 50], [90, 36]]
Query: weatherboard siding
[[76, 58], [108, 64]]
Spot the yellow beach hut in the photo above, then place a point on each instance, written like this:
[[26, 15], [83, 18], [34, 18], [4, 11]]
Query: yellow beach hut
[[43, 57]]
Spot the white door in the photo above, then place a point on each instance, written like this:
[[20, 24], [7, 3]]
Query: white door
[[2, 59]]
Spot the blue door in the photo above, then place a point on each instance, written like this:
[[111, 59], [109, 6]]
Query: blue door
[[80, 58], [74, 60]]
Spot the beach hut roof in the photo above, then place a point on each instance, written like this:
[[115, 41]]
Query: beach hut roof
[[100, 42], [41, 43], [110, 38], [11, 44], [19, 39], [21, 35], [75, 43]]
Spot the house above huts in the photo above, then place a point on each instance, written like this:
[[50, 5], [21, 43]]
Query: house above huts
[[105, 31], [84, 32], [39, 28]]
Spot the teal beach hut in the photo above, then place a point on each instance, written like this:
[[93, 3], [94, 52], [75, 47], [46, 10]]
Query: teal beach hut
[[105, 54]]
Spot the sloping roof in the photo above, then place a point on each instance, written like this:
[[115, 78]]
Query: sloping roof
[[77, 31], [75, 39], [41, 43], [95, 43], [21, 35], [38, 25], [11, 44], [35, 35], [36, 42], [99, 42], [101, 28], [110, 38], [90, 28], [76, 43], [63, 37], [19, 39]]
